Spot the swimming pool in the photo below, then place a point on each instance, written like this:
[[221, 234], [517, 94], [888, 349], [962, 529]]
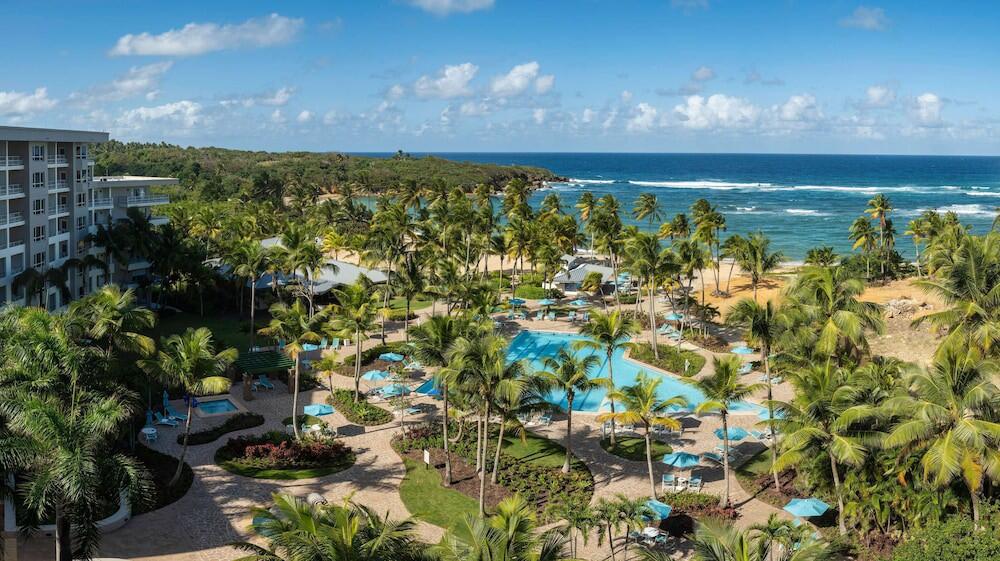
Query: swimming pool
[[217, 406], [534, 346]]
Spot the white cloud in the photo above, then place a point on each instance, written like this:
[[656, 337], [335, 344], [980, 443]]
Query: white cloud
[[626, 96], [138, 81], [445, 7], [277, 117], [538, 115], [866, 18], [331, 117], [519, 79], [395, 91], [703, 74], [21, 103], [799, 108], [185, 113], [588, 115], [643, 119], [451, 81], [277, 98], [928, 108], [716, 111], [304, 116], [474, 109], [879, 96], [609, 121], [200, 38]]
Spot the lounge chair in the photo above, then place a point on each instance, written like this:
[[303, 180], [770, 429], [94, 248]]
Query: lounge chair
[[551, 316], [335, 344], [264, 382], [172, 414], [694, 484], [757, 434], [539, 315], [545, 419], [668, 483], [161, 420], [411, 365], [746, 368], [571, 316], [715, 457]]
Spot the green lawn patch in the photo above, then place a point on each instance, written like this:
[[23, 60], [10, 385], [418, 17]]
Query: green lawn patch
[[537, 450], [362, 412], [634, 448], [239, 421], [416, 304], [228, 330], [671, 358], [429, 500], [285, 474]]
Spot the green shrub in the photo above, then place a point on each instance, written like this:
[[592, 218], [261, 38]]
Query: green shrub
[[369, 355], [362, 412], [671, 358], [161, 468], [399, 315], [628, 298], [276, 455], [954, 539], [239, 421], [529, 292]]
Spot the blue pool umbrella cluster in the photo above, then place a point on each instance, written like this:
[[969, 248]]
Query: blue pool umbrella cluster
[[662, 510], [546, 302], [375, 375], [735, 433], [673, 316], [395, 390], [806, 507], [579, 303], [391, 357], [318, 410], [429, 387], [516, 302], [681, 460]]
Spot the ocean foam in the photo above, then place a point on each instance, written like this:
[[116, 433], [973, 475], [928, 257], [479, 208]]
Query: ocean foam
[[961, 210], [714, 185], [983, 193], [591, 181], [805, 212]]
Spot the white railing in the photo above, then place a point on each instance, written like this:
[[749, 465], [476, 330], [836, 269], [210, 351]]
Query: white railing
[[57, 160], [60, 209], [10, 218], [12, 190], [57, 184], [102, 203], [10, 244], [148, 200], [11, 161]]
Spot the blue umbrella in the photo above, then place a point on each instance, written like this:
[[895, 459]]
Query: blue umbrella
[[763, 415], [393, 390], [735, 433], [546, 302], [744, 350], [375, 375], [516, 302], [806, 507], [580, 303], [673, 316], [681, 460], [391, 357], [662, 510]]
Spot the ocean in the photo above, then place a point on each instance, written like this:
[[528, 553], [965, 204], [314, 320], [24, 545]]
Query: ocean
[[799, 201]]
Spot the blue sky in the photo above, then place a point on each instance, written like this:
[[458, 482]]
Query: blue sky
[[515, 75]]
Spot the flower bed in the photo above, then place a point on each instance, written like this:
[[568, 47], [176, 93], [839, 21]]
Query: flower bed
[[362, 412], [239, 421], [276, 455]]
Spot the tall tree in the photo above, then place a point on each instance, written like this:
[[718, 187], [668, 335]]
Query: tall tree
[[293, 326], [647, 207], [354, 318], [569, 374], [611, 333]]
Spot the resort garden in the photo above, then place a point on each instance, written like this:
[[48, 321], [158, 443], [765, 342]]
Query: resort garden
[[509, 404]]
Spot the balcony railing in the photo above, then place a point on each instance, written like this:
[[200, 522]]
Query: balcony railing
[[11, 218], [12, 190], [147, 200], [12, 244], [58, 184], [59, 209], [57, 160], [11, 161], [102, 203]]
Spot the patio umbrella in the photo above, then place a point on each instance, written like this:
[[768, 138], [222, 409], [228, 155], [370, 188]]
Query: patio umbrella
[[579, 303], [375, 375], [662, 510], [682, 460], [673, 316], [743, 350], [391, 357], [393, 390], [516, 302], [546, 302], [806, 507], [734, 433]]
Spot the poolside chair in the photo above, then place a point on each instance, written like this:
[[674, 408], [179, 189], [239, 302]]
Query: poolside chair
[[335, 344], [263, 382], [161, 420], [694, 484], [668, 483], [545, 419], [411, 365], [746, 368], [713, 456], [151, 435], [571, 316], [551, 316], [172, 414], [757, 434], [510, 314], [539, 315]]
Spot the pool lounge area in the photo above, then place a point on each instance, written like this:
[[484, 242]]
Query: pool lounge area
[[534, 346]]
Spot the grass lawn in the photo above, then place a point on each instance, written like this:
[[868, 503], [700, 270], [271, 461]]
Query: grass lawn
[[537, 450], [228, 329], [671, 358], [415, 304], [428, 500], [634, 448]]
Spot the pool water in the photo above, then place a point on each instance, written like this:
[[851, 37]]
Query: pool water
[[217, 406], [534, 346], [429, 387]]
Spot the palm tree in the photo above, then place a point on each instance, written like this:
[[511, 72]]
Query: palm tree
[[830, 297], [647, 207], [716, 541], [353, 318], [293, 326], [66, 453], [610, 333], [863, 236], [821, 256], [408, 281], [511, 535], [879, 208], [111, 318], [295, 530], [722, 389], [762, 326], [734, 249], [948, 417], [586, 205], [823, 417], [642, 404], [757, 260], [651, 263], [250, 261], [917, 229], [568, 374], [189, 361]]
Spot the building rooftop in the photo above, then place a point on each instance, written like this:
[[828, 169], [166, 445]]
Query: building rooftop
[[135, 180], [51, 135], [577, 274]]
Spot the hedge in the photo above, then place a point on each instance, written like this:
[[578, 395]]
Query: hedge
[[371, 354], [362, 412], [671, 358], [239, 421], [161, 468]]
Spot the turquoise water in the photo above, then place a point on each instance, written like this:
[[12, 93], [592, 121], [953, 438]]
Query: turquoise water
[[217, 406], [534, 346]]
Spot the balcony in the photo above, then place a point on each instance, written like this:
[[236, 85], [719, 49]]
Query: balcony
[[13, 244], [57, 161], [58, 185], [159, 220], [12, 219], [146, 200], [8, 162], [58, 210], [13, 191], [107, 203]]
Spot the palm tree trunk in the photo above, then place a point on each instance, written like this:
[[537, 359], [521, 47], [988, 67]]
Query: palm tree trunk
[[447, 445], [611, 541], [479, 443], [729, 279], [840, 497], [652, 322], [725, 457], [357, 366], [482, 480], [974, 497], [770, 415], [184, 447], [649, 464], [295, 399], [611, 376], [569, 431], [64, 539], [406, 320], [253, 309], [496, 457], [916, 246]]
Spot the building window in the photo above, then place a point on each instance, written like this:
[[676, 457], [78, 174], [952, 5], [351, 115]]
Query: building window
[[82, 175], [38, 206], [63, 249], [38, 179], [81, 222], [38, 259], [81, 199], [38, 233], [37, 152]]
